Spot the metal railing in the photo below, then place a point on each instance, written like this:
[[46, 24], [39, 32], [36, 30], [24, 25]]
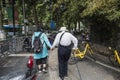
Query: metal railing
[[13, 45]]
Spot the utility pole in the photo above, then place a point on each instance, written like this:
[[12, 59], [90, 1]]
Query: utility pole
[[24, 17], [13, 2], [1, 22]]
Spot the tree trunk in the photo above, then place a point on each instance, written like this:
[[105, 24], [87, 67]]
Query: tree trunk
[[75, 23], [35, 16], [1, 22]]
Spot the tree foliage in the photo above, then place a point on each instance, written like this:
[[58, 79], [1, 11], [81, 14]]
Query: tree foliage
[[107, 8], [105, 14], [67, 12]]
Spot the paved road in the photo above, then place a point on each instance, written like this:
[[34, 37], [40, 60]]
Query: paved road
[[92, 71], [11, 64], [89, 70], [15, 65]]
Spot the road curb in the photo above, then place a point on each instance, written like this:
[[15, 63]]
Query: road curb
[[103, 64]]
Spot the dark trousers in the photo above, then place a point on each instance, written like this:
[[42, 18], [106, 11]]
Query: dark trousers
[[64, 53]]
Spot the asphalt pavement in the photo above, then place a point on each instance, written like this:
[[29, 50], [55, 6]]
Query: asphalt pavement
[[16, 65], [89, 69], [98, 68]]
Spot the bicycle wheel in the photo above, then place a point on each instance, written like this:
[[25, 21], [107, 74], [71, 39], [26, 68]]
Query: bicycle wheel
[[72, 61], [113, 60]]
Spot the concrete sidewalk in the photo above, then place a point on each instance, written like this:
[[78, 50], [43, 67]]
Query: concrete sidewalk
[[72, 72], [53, 65], [53, 68]]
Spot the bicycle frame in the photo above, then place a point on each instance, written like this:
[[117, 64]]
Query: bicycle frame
[[81, 54], [117, 57]]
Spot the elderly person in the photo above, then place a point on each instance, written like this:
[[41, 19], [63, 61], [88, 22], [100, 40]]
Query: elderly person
[[65, 42]]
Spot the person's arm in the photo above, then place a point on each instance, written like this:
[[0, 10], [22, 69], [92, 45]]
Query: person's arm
[[56, 41], [47, 42], [75, 42]]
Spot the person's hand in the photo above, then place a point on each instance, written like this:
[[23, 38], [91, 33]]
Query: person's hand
[[32, 47], [52, 49], [73, 51]]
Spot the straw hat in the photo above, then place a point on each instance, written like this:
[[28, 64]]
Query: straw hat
[[63, 29]]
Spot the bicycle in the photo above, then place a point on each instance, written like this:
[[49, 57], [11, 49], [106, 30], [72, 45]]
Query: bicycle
[[114, 57], [77, 54], [81, 54]]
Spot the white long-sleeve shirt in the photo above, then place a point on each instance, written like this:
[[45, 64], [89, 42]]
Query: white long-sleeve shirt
[[66, 40]]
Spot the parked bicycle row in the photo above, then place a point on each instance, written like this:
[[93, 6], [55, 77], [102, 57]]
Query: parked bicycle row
[[87, 49]]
